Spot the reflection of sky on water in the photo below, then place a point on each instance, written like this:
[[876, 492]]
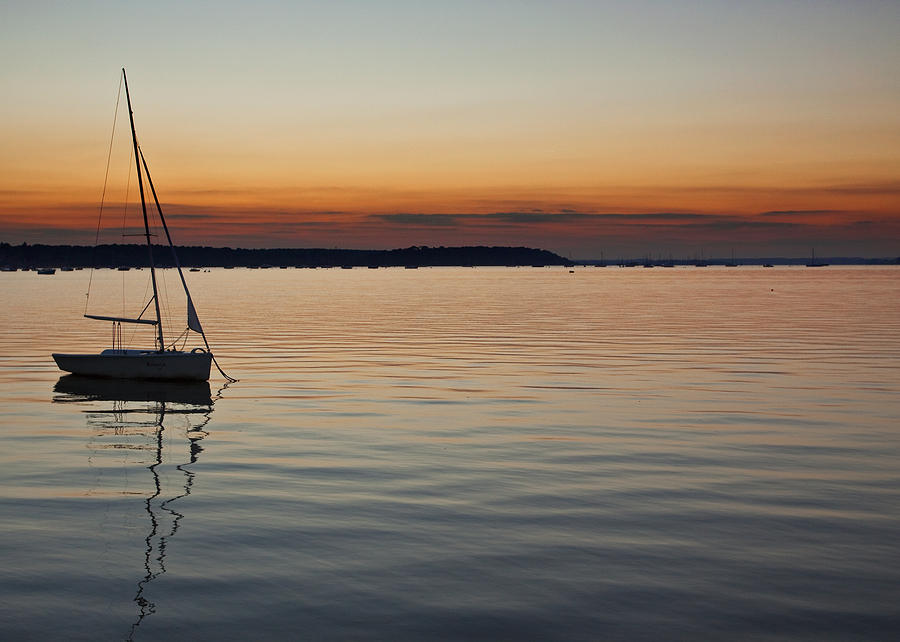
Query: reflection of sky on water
[[469, 454], [136, 420]]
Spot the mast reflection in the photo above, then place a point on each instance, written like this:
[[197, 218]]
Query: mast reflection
[[135, 416]]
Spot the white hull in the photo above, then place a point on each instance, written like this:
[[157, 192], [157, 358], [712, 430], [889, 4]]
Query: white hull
[[138, 364]]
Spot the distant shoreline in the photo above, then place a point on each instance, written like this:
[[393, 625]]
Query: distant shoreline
[[26, 256], [133, 255]]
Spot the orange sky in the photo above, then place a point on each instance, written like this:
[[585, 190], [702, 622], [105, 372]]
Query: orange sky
[[579, 127]]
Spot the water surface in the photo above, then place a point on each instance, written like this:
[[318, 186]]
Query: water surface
[[488, 453]]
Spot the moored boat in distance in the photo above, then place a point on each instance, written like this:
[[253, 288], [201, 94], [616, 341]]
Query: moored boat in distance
[[813, 263]]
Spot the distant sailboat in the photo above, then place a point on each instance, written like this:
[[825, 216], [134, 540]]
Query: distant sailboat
[[160, 362], [813, 263]]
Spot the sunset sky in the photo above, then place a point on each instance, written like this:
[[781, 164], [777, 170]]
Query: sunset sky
[[628, 128]]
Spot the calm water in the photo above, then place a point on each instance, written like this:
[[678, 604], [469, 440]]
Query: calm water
[[489, 454]]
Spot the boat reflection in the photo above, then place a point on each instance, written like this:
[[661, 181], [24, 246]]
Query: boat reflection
[[151, 421], [77, 388]]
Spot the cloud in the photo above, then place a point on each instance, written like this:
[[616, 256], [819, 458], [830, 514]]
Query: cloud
[[184, 216], [888, 188], [660, 216], [724, 224], [560, 226], [216, 212], [801, 212], [429, 220], [533, 217], [276, 226]]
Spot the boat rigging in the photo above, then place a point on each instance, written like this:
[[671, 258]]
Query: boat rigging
[[158, 363]]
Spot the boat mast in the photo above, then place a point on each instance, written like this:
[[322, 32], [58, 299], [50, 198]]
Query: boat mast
[[137, 160], [193, 320]]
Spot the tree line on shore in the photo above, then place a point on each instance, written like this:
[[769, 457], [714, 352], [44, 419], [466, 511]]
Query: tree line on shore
[[132, 255], [26, 255]]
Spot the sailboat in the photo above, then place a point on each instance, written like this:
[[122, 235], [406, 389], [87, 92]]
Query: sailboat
[[161, 362], [813, 263]]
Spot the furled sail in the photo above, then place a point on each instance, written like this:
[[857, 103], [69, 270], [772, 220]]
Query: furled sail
[[193, 319]]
